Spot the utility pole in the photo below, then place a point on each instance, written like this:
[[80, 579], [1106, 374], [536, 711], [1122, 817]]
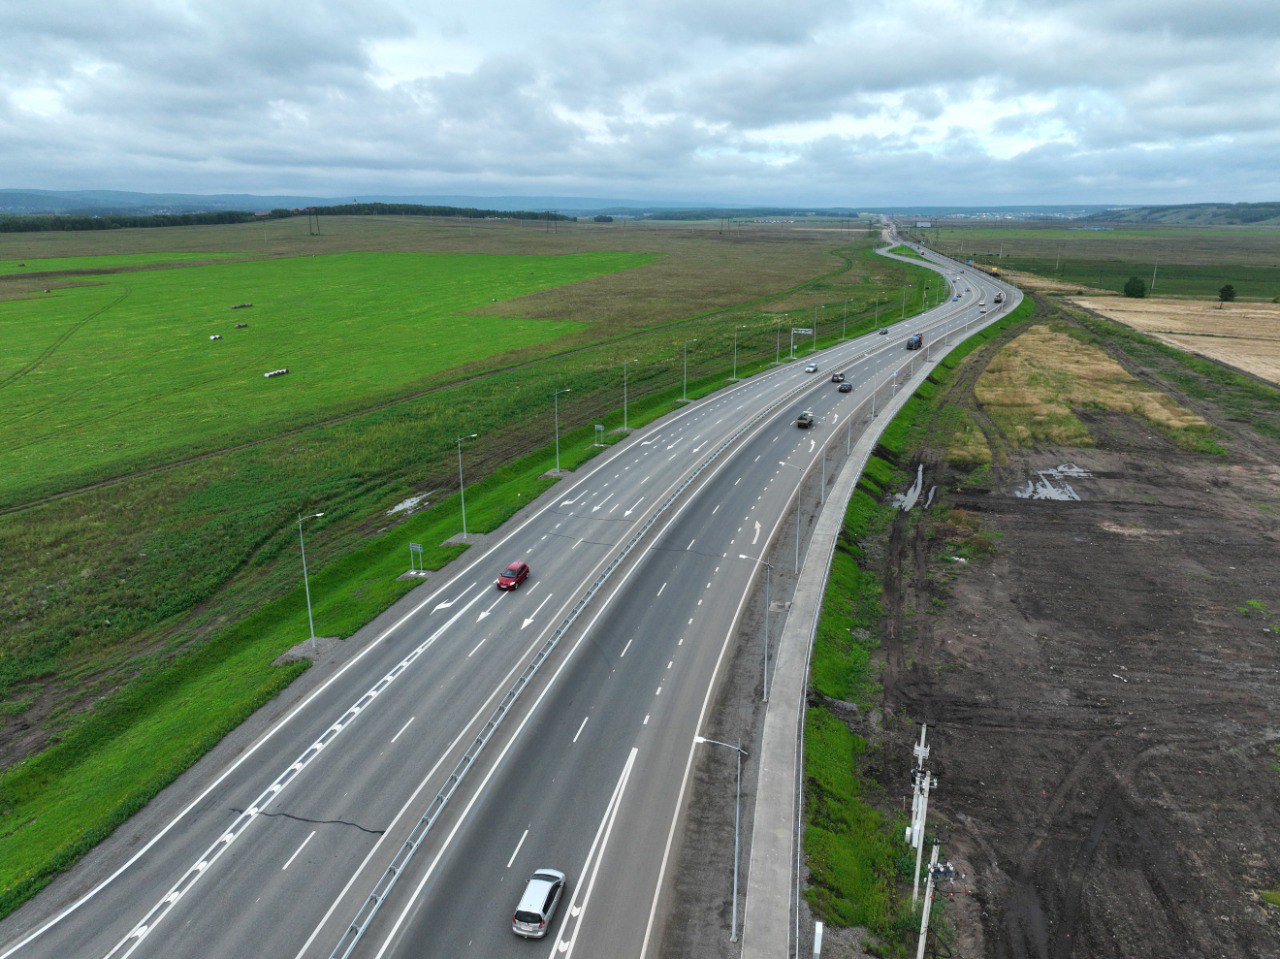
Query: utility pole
[[1153, 274]]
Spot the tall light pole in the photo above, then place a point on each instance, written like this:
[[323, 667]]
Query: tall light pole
[[624, 392], [306, 584], [556, 401], [844, 327], [801, 469], [685, 397], [735, 352], [737, 819], [462, 487], [768, 579], [876, 321], [777, 347]]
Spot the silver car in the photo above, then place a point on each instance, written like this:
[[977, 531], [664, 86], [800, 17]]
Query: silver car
[[538, 904]]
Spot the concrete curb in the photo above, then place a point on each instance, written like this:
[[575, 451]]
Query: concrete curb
[[772, 908]]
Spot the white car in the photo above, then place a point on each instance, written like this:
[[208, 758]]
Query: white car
[[538, 904], [811, 368]]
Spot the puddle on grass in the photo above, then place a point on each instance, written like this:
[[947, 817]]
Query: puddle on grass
[[1052, 484], [407, 505]]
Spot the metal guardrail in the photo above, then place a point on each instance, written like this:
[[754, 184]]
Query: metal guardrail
[[386, 882]]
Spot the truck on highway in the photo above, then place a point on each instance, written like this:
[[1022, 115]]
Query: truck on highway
[[999, 298], [805, 420], [915, 341]]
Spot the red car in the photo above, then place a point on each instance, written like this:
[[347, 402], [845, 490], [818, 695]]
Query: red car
[[513, 575]]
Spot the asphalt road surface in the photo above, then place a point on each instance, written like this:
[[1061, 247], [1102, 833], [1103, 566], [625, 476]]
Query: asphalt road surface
[[586, 768]]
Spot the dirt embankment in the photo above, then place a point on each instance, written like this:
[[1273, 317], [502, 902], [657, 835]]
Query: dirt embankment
[[1102, 692]]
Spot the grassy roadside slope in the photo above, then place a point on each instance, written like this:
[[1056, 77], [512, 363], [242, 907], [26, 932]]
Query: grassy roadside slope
[[205, 663]]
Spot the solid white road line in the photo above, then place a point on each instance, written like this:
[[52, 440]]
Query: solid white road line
[[564, 943], [296, 851], [660, 589], [516, 851], [625, 648], [580, 728], [402, 729]]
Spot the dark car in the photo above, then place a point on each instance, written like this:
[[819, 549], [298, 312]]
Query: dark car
[[884, 331], [837, 377], [513, 575], [845, 388]]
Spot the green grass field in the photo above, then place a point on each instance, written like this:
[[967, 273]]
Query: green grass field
[[162, 596], [98, 379]]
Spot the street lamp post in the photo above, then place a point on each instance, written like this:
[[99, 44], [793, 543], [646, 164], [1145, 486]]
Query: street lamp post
[[801, 469], [306, 584], [844, 326], [624, 392], [735, 352], [556, 401], [737, 820], [685, 397], [768, 605], [462, 487], [777, 346]]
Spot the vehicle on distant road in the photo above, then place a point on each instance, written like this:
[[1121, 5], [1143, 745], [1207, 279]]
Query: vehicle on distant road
[[845, 388], [884, 331], [915, 341], [811, 368], [538, 904], [805, 420], [999, 298], [513, 575], [837, 377]]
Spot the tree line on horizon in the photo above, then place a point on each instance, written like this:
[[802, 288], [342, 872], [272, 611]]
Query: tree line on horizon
[[40, 222]]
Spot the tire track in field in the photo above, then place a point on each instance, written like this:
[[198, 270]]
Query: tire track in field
[[66, 335]]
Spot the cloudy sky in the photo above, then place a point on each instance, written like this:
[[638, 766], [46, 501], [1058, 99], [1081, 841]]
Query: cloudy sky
[[823, 102]]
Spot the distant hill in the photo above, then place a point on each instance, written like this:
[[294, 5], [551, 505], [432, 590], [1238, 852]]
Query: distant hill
[[1198, 214], [119, 202]]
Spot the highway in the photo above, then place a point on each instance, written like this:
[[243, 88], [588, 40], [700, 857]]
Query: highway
[[557, 720]]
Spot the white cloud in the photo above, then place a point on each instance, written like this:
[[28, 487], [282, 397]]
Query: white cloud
[[815, 101]]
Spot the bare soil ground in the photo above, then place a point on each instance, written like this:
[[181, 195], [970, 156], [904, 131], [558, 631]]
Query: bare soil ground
[[1243, 335], [1102, 695]]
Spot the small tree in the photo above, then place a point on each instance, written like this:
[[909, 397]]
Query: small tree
[[1227, 293], [601, 218], [1135, 287]]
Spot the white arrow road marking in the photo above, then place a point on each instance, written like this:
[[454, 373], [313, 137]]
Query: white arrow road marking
[[673, 445], [812, 445], [698, 448], [570, 502], [537, 611], [454, 600], [634, 508], [755, 539], [486, 612], [602, 502]]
